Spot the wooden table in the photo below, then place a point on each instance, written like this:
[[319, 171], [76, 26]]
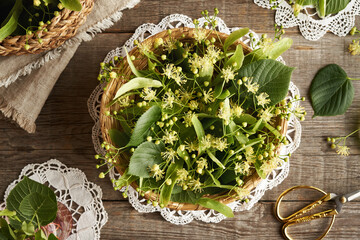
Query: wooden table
[[64, 131]]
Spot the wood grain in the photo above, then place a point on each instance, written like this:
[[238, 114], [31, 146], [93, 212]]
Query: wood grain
[[64, 131]]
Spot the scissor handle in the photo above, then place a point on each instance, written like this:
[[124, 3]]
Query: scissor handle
[[295, 217], [305, 209], [327, 213]]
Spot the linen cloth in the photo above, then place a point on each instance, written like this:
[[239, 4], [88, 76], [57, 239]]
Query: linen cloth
[[26, 81]]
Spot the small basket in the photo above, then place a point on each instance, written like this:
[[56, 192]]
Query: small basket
[[60, 29], [108, 123]]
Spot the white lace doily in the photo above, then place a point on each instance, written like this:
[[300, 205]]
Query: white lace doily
[[81, 197], [184, 217], [313, 29]]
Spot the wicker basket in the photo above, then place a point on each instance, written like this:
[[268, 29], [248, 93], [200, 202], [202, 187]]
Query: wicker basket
[[60, 29], [108, 123]]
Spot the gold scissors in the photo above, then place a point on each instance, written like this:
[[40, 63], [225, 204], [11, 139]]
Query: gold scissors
[[298, 217]]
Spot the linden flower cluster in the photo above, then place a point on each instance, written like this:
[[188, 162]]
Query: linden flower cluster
[[339, 143], [354, 46], [204, 126]]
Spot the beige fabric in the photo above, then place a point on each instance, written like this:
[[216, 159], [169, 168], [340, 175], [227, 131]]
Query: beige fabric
[[23, 99]]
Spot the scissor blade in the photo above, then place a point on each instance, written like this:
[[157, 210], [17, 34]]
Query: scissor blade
[[352, 196]]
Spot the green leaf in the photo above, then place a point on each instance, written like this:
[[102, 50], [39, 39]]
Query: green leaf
[[186, 197], [277, 48], [28, 228], [73, 5], [136, 83], [52, 237], [144, 157], [120, 139], [7, 213], [166, 190], [322, 8], [40, 235], [215, 160], [241, 138], [235, 35], [24, 188], [6, 231], [260, 172], [331, 91], [217, 206], [237, 58], [144, 124], [125, 179], [272, 76], [198, 127], [184, 155], [335, 6], [41, 206], [12, 23], [132, 66]]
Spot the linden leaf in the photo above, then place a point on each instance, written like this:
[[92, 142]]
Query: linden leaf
[[143, 125], [235, 35], [145, 156], [331, 91], [217, 206], [73, 5]]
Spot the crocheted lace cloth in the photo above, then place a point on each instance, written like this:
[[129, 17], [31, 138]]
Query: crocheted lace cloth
[[81, 197], [311, 28], [184, 217]]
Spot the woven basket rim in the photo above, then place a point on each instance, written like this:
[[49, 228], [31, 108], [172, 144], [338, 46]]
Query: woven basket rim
[[61, 28], [250, 183]]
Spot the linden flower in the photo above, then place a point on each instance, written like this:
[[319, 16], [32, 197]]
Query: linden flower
[[193, 105], [242, 168], [213, 53], [169, 45], [182, 174], [144, 47], [169, 69], [157, 172], [149, 94], [208, 96], [202, 163], [270, 165], [266, 115], [206, 142], [262, 99], [168, 100], [343, 150], [200, 35], [170, 137], [124, 101], [169, 155], [192, 146], [187, 118], [185, 96], [354, 48], [228, 74], [236, 110], [252, 87], [219, 143], [242, 192], [195, 185]]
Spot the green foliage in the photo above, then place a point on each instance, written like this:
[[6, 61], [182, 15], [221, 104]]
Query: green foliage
[[143, 125], [145, 156], [23, 17], [216, 205], [136, 83], [235, 35], [331, 91], [272, 76], [30, 205]]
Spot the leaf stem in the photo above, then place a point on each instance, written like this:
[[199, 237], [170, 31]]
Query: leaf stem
[[354, 79]]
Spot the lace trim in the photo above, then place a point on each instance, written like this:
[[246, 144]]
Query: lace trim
[[185, 217], [313, 29]]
